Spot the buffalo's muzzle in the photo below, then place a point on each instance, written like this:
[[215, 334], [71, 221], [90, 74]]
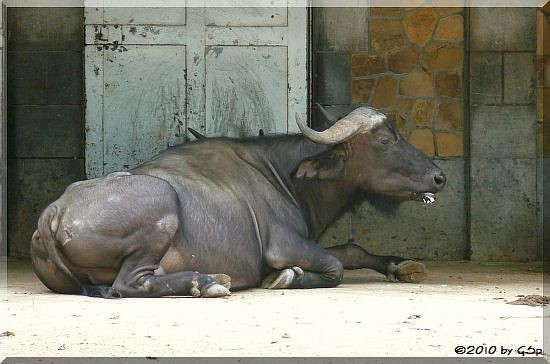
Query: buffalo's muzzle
[[437, 180]]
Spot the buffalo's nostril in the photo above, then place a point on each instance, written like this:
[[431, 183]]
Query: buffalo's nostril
[[439, 178]]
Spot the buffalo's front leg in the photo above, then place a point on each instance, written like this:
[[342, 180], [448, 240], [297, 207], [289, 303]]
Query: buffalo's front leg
[[393, 267], [302, 264]]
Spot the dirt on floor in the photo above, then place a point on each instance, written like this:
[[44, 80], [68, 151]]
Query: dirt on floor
[[461, 309]]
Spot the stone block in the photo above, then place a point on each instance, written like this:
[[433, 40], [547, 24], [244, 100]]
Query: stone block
[[449, 116], [519, 78], [450, 144], [422, 139], [361, 90], [27, 78], [423, 112], [503, 209], [420, 24], [450, 28], [33, 185], [385, 34], [65, 28], [416, 84], [449, 84], [28, 29], [502, 29], [485, 78], [45, 28], [443, 56], [367, 64], [334, 75], [404, 104], [416, 231], [65, 83], [60, 132], [386, 90], [502, 132], [342, 29], [404, 60]]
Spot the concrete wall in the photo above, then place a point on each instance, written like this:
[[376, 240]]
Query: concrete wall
[[408, 62], [45, 126], [503, 173]]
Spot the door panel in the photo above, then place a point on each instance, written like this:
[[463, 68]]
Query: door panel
[[144, 103], [246, 90], [151, 73]]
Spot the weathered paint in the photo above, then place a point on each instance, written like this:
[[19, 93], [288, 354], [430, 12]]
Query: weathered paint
[[149, 76], [245, 91]]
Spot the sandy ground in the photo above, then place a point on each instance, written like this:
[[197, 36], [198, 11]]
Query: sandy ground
[[461, 303]]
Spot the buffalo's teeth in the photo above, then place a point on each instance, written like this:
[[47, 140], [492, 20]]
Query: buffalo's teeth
[[428, 198]]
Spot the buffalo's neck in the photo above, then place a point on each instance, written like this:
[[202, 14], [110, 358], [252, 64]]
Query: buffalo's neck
[[324, 202], [321, 201], [283, 154]]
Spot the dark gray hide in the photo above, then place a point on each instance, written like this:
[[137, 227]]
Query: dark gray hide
[[249, 209]]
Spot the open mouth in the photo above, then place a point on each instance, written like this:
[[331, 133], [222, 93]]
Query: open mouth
[[426, 198]]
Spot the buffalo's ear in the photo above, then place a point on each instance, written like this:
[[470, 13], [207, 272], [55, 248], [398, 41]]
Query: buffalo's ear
[[327, 165]]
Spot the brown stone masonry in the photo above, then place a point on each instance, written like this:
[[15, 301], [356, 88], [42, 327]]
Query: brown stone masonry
[[413, 69]]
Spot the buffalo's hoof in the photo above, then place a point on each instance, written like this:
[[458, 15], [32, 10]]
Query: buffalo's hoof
[[222, 279], [407, 271], [282, 278], [215, 290]]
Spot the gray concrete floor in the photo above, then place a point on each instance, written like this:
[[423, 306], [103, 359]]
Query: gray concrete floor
[[461, 303]]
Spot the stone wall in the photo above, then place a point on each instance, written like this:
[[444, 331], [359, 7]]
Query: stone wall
[[409, 62], [45, 125], [503, 163]]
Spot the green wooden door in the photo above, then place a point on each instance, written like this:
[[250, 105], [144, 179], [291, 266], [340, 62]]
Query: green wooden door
[[151, 73]]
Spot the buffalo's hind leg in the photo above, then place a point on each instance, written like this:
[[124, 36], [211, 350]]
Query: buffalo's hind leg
[[139, 277], [393, 267], [142, 282], [302, 264]]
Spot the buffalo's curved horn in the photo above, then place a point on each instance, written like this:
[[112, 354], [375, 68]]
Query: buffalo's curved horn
[[362, 119], [196, 134], [330, 118]]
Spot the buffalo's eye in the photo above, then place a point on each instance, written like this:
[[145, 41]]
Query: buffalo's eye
[[385, 141]]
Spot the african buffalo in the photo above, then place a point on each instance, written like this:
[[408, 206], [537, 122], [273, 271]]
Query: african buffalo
[[250, 209]]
